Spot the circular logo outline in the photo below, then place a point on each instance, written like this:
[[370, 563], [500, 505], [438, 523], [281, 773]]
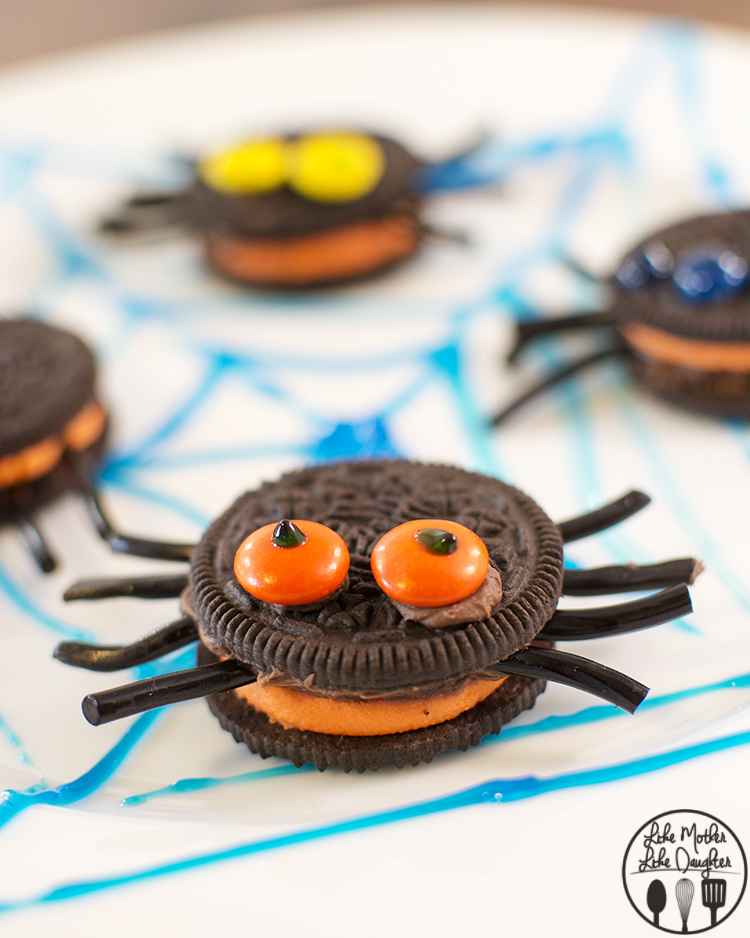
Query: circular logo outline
[[666, 814]]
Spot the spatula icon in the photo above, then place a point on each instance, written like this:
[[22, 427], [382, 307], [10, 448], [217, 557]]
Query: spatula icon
[[684, 891], [656, 898], [714, 895]]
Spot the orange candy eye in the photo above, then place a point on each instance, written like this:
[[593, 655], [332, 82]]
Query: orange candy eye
[[292, 563], [430, 563]]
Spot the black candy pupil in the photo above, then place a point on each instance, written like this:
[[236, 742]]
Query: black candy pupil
[[287, 534], [437, 541]]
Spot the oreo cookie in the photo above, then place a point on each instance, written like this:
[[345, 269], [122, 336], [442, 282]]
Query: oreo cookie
[[367, 613], [684, 316], [680, 316], [49, 414], [47, 376], [53, 432]]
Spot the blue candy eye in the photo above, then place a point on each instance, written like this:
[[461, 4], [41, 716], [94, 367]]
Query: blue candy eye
[[709, 275], [654, 262]]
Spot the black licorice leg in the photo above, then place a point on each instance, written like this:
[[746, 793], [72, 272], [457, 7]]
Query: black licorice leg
[[623, 579], [549, 664], [444, 234], [602, 518], [35, 542], [125, 701], [170, 637], [599, 622], [530, 329], [168, 586], [577, 267], [556, 378], [124, 543], [144, 212]]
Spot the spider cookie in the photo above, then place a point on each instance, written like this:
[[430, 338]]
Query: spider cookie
[[49, 413], [297, 211], [370, 613], [52, 432], [680, 314]]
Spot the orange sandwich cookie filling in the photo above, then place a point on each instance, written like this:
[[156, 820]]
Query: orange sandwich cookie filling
[[304, 711], [37, 460], [327, 256], [688, 353]]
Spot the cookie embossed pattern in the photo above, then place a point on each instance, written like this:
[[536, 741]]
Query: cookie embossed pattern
[[606, 129]]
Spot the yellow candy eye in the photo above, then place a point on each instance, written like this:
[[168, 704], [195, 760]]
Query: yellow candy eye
[[255, 166], [334, 167]]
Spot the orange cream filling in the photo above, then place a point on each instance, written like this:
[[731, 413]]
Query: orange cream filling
[[337, 254], [40, 458], [303, 711], [688, 353]]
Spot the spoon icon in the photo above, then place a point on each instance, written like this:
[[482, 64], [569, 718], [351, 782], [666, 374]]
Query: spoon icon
[[656, 898]]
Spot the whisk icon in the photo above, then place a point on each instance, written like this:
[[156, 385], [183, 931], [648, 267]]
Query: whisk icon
[[684, 891]]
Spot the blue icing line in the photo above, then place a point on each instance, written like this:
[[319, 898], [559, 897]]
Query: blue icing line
[[189, 460], [158, 498], [670, 492], [16, 743], [363, 440], [450, 361], [73, 260], [24, 602], [489, 792], [136, 454], [684, 41], [200, 784], [513, 731], [16, 170], [13, 802]]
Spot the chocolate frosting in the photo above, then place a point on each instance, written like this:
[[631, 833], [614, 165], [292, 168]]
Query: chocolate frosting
[[658, 305], [359, 641]]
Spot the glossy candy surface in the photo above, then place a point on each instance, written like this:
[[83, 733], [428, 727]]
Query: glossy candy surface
[[322, 167], [255, 166], [274, 569], [709, 275], [415, 563], [337, 167], [654, 262]]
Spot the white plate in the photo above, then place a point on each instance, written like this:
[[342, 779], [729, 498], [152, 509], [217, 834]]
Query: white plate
[[608, 126]]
